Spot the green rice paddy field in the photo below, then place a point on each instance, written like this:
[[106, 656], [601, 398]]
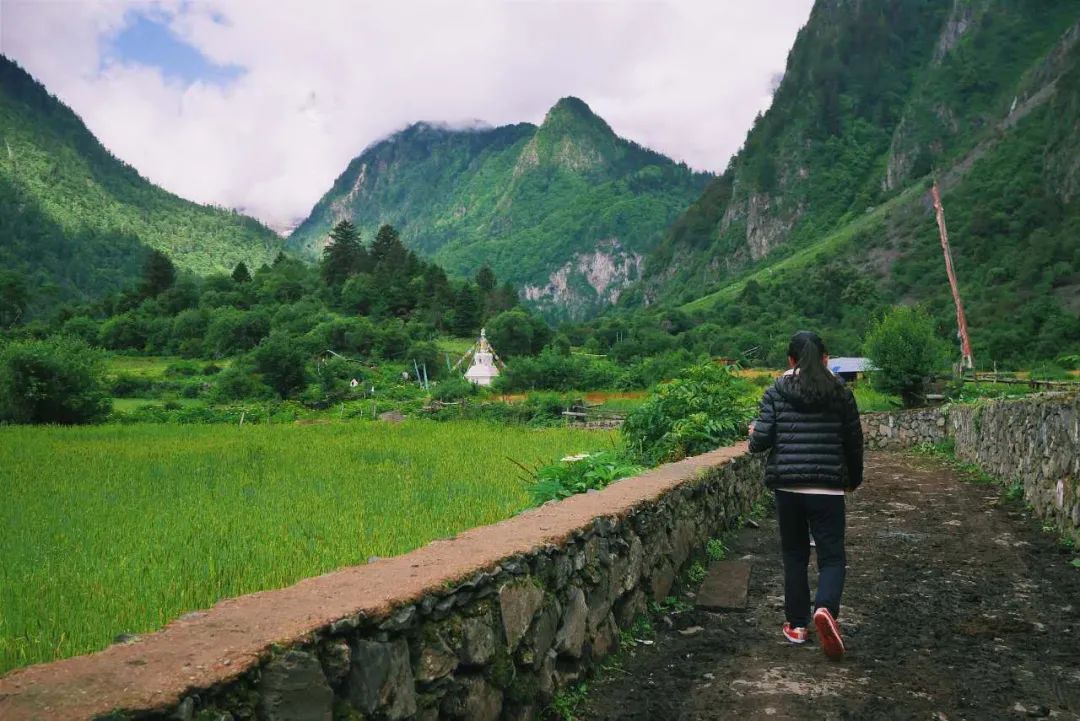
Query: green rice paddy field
[[118, 529]]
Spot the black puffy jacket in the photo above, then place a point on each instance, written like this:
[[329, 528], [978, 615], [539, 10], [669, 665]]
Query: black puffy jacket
[[809, 444]]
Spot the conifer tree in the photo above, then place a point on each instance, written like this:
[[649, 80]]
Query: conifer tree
[[240, 273], [468, 310], [342, 255], [387, 250], [485, 279], [158, 274]]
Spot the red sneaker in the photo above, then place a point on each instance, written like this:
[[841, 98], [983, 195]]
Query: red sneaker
[[829, 634], [795, 634]]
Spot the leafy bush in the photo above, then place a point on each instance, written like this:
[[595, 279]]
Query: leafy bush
[[57, 380], [1049, 372], [705, 407], [128, 385], [517, 332], [237, 382], [906, 351], [452, 389], [556, 372], [578, 474], [280, 360]]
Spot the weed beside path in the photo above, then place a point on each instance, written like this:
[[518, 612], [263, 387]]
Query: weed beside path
[[958, 606]]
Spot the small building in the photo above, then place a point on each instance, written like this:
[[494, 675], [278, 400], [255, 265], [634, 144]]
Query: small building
[[482, 371], [850, 369]]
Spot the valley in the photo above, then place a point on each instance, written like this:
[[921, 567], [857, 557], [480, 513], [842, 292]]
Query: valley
[[527, 353]]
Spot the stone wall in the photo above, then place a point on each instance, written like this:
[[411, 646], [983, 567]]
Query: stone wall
[[485, 626], [904, 429], [1034, 441]]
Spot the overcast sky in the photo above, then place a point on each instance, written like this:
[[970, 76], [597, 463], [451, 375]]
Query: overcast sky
[[260, 104]]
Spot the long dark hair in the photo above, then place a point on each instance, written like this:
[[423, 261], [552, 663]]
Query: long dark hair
[[816, 383]]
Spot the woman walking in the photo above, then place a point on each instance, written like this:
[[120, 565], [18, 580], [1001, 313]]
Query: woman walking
[[809, 423]]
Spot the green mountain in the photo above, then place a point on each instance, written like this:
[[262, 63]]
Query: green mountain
[[566, 210], [75, 222], [823, 218]]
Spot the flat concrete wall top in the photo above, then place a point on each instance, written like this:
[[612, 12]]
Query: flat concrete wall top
[[211, 648]]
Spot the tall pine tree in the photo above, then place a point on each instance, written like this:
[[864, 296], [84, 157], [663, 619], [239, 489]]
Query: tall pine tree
[[158, 274], [240, 273], [343, 255], [388, 253]]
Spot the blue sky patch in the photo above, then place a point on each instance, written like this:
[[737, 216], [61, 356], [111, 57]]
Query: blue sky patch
[[147, 39]]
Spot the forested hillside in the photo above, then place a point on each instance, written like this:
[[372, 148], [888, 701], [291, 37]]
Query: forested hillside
[[565, 210], [76, 223], [823, 218]]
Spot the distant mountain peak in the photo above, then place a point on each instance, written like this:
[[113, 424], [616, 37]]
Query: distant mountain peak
[[573, 111]]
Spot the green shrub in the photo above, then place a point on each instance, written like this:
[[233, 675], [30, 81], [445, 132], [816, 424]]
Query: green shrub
[[705, 407], [237, 383], [128, 385], [517, 332], [1049, 372], [452, 389], [556, 372], [56, 380], [906, 351], [280, 360], [578, 474], [716, 550]]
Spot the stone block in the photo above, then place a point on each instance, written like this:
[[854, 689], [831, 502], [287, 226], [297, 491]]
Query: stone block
[[436, 661], [629, 607], [292, 687], [605, 639], [725, 586], [518, 712], [661, 581], [381, 679], [476, 700], [477, 640], [541, 636], [518, 603], [571, 634], [336, 657]]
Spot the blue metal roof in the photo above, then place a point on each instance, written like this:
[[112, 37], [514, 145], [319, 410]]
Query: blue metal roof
[[850, 365]]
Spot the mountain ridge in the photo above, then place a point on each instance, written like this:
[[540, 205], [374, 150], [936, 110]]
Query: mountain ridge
[[77, 222], [823, 219], [537, 203]]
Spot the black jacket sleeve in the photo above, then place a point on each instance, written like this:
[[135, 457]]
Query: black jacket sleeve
[[853, 441], [764, 435]]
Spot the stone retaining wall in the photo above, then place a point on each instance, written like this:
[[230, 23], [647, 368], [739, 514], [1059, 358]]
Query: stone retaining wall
[[488, 625], [1033, 440]]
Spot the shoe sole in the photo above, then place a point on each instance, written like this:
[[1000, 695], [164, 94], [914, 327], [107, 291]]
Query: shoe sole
[[829, 633]]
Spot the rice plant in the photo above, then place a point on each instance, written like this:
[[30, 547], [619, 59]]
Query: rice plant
[[116, 529]]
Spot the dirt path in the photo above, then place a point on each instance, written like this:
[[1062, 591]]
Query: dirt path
[[957, 607]]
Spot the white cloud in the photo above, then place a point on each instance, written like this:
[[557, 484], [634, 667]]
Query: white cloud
[[325, 79]]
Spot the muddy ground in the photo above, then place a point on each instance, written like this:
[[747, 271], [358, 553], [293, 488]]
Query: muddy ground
[[957, 606]]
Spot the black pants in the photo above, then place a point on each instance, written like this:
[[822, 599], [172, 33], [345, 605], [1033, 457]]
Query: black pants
[[799, 515]]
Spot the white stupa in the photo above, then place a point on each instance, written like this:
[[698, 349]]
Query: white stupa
[[482, 371]]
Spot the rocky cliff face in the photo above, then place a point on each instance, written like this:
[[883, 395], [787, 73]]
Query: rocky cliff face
[[588, 282]]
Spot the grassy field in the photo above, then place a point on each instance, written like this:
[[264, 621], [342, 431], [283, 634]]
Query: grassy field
[[118, 529]]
